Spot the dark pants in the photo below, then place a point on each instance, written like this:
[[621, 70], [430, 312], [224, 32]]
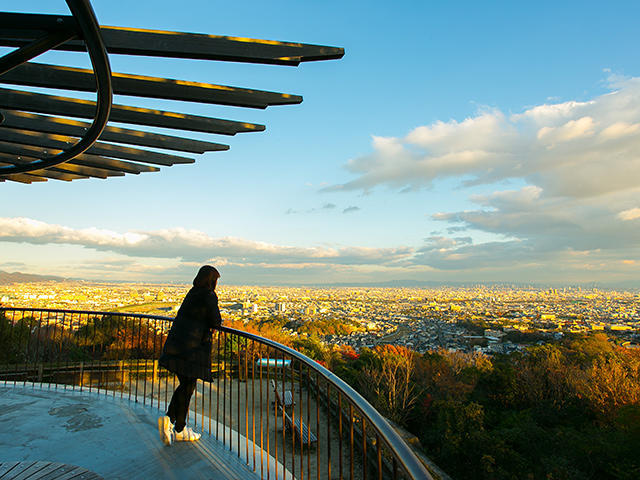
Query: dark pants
[[179, 405]]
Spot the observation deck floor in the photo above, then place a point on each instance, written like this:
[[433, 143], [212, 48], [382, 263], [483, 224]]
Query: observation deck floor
[[114, 438]]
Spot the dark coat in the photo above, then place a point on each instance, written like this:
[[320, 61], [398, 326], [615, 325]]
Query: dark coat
[[187, 350]]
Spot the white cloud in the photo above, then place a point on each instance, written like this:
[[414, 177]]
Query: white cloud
[[620, 129], [484, 132], [193, 245], [573, 129], [573, 149], [631, 214], [526, 252], [574, 216], [581, 238], [552, 113], [520, 199], [579, 163]]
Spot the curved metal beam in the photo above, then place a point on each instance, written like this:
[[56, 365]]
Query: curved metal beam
[[90, 29], [407, 459]]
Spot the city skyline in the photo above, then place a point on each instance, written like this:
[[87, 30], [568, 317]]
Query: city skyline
[[452, 143]]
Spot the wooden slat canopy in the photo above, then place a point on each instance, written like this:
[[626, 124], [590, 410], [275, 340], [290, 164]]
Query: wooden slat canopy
[[155, 43], [40, 134], [79, 108]]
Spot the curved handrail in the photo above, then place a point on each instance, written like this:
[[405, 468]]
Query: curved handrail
[[409, 461], [88, 312], [402, 452], [88, 25]]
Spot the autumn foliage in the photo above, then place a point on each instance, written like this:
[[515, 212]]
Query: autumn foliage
[[564, 410]]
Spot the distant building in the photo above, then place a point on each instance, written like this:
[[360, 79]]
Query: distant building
[[619, 328]]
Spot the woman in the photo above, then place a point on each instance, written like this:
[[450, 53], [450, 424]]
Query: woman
[[187, 352]]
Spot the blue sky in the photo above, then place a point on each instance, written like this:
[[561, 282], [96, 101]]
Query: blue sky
[[455, 141]]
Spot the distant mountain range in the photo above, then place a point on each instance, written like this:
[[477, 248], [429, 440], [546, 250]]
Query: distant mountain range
[[18, 277]]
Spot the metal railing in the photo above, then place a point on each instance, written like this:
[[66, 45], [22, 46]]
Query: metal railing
[[283, 414]]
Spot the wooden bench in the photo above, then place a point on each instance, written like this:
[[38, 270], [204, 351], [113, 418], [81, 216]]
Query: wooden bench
[[298, 427], [286, 400]]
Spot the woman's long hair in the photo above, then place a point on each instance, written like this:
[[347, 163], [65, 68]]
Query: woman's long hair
[[207, 277]]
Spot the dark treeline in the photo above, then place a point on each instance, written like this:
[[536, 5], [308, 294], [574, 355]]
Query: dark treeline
[[559, 411]]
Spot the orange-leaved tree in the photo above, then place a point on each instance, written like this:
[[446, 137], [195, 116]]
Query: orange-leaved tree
[[387, 381]]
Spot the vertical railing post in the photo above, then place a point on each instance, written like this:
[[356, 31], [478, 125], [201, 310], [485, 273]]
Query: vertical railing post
[[166, 376], [93, 349], [84, 342], [261, 410], [318, 425], [350, 441], [154, 373], [340, 435], [5, 328], [121, 375], [238, 396], [253, 406], [293, 423], [68, 343], [59, 359], [38, 358], [154, 366], [364, 448], [224, 396], [246, 399], [28, 357], [275, 411], [269, 415], [328, 431], [284, 423], [218, 369], [379, 457], [210, 412], [308, 384], [301, 417]]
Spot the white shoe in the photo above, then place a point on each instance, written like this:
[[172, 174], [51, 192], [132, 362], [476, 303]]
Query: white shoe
[[186, 435], [166, 430]]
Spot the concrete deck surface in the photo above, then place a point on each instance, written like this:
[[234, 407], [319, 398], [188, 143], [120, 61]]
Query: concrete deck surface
[[115, 438]]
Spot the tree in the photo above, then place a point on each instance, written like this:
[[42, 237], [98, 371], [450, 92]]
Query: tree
[[611, 384], [388, 384]]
